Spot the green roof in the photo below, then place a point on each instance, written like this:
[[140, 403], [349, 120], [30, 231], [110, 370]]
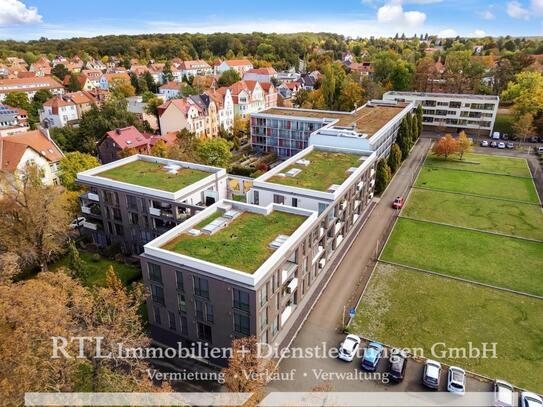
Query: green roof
[[153, 175], [242, 244], [325, 169]]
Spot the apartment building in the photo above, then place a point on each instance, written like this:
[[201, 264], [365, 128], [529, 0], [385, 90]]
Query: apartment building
[[194, 68], [452, 112], [239, 65], [133, 200], [196, 113], [287, 131], [29, 86], [204, 288]]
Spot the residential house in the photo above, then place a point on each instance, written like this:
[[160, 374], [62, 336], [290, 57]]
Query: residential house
[[58, 112], [95, 64], [260, 74], [363, 68], [309, 80], [15, 61], [12, 120], [170, 90], [138, 69], [288, 76], [157, 72], [225, 107], [20, 149], [209, 113], [239, 65], [177, 114], [195, 68], [42, 67], [93, 76], [83, 100], [137, 106], [270, 94], [84, 82], [248, 97], [107, 79], [204, 82], [111, 146], [29, 86]]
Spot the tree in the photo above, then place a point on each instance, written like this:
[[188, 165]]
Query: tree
[[464, 144], [73, 163], [241, 126], [383, 176], [17, 99], [419, 120], [74, 85], [122, 88], [9, 267], [301, 97], [395, 158], [445, 146], [215, 151], [160, 149], [404, 139], [167, 72], [526, 93], [351, 95], [228, 78], [152, 105], [328, 87], [414, 127], [33, 217], [524, 126], [75, 264], [67, 137], [60, 71]]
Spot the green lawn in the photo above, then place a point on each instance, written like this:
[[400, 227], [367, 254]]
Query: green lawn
[[325, 169], [478, 256], [97, 269], [410, 309], [497, 186], [152, 175], [483, 163], [243, 244], [512, 218], [208, 220]]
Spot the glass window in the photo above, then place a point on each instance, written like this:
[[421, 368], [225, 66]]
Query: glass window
[[295, 202], [241, 324], [209, 313], [278, 199], [182, 301], [201, 287], [179, 279], [264, 318], [184, 325], [157, 293], [171, 320], [204, 332], [157, 316], [241, 300], [155, 274]]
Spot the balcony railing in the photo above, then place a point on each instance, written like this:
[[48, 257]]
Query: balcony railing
[[154, 211], [288, 269]]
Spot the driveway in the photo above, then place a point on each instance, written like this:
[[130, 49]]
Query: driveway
[[323, 325]]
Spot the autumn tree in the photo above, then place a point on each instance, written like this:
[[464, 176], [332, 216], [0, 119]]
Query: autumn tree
[[214, 151], [524, 126], [526, 93], [395, 158], [464, 144], [122, 88], [9, 267], [75, 264], [73, 163], [351, 95], [73, 84], [60, 71], [33, 218], [160, 149], [414, 127], [445, 146], [228, 78], [383, 175]]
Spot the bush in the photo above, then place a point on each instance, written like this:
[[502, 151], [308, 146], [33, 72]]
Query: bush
[[241, 170], [95, 257]]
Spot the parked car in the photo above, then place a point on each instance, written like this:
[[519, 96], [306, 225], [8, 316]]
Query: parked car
[[510, 145], [493, 144], [431, 374], [372, 355], [496, 135], [484, 143], [77, 222], [540, 150], [503, 394], [528, 399], [505, 136], [533, 139], [349, 348], [397, 366], [501, 145], [456, 382], [398, 202]]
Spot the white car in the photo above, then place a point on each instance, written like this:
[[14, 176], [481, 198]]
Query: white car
[[431, 374], [528, 399], [501, 145], [484, 143], [349, 348], [77, 222], [503, 394], [456, 382]]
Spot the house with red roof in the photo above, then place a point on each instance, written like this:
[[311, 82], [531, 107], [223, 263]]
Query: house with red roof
[[260, 74], [114, 142], [170, 90], [239, 65], [194, 68], [248, 97], [29, 86]]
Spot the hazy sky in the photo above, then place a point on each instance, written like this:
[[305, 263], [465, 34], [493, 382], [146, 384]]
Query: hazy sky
[[31, 19]]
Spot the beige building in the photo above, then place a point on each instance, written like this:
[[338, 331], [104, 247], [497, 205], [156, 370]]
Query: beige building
[[197, 114]]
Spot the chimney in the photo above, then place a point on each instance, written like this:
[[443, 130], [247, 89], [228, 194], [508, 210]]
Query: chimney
[[118, 131]]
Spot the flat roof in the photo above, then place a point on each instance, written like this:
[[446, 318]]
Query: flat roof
[[493, 98], [241, 239], [323, 169], [368, 119], [154, 175]]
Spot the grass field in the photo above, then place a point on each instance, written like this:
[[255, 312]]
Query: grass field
[[497, 186], [410, 309], [484, 163], [502, 261], [511, 218]]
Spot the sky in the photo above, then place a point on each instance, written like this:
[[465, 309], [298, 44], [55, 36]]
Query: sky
[[32, 19]]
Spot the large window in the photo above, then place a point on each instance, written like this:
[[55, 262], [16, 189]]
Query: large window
[[157, 316], [278, 199], [155, 273], [201, 287], [242, 324], [171, 320], [204, 332], [182, 301], [179, 279], [241, 300], [157, 293]]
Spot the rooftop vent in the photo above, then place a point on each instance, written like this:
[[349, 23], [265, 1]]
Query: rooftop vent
[[333, 188], [118, 131], [282, 175], [128, 141], [351, 170], [278, 242], [194, 232], [215, 226], [303, 162], [231, 214], [293, 172], [224, 207]]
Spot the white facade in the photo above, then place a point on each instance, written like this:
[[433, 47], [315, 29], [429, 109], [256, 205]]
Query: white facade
[[226, 113], [168, 93], [449, 110], [49, 170], [239, 68], [63, 116]]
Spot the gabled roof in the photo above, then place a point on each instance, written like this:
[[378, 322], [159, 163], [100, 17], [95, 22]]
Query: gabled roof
[[237, 62], [127, 137], [262, 71], [14, 146], [197, 64], [240, 86], [113, 76], [171, 85], [81, 78], [56, 102], [183, 105], [81, 97]]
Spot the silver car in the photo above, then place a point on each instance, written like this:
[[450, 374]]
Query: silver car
[[456, 382], [503, 394], [528, 399]]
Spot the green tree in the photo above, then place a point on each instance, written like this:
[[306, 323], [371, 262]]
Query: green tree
[[414, 127], [67, 137], [74, 85], [401, 76], [395, 158], [228, 78], [404, 139], [524, 126], [152, 105], [75, 264], [17, 99], [526, 93], [167, 72], [328, 87], [214, 151], [122, 88], [383, 176], [419, 120], [60, 71], [73, 163], [41, 96], [351, 95]]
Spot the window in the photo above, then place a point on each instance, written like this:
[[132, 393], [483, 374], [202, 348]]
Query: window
[[171, 320], [241, 300], [256, 198], [264, 318], [155, 274], [133, 218], [201, 287], [199, 310], [132, 202], [184, 325], [182, 301], [204, 332], [322, 207], [179, 279], [157, 316], [274, 326], [278, 199], [209, 313], [263, 295], [295, 202], [241, 324], [157, 293]]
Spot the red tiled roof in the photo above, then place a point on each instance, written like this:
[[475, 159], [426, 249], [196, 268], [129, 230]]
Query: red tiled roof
[[237, 62], [171, 85], [127, 137], [263, 71], [14, 146], [194, 64]]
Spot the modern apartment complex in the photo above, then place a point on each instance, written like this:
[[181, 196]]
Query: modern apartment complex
[[450, 111], [240, 269], [287, 131], [133, 200]]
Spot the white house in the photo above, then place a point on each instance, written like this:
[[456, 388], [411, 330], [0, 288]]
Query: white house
[[260, 74], [248, 97], [58, 112], [170, 90], [29, 86], [225, 107], [195, 68], [239, 65]]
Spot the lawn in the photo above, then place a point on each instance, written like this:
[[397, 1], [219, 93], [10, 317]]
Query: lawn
[[152, 175], [496, 186], [512, 218], [243, 244], [324, 170], [498, 260], [97, 269], [483, 163], [410, 309]]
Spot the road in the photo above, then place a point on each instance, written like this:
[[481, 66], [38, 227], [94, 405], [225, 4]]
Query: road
[[324, 322]]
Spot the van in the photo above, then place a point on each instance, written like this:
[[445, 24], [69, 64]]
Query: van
[[496, 135]]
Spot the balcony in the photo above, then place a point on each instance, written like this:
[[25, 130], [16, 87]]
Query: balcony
[[154, 211], [357, 204], [93, 197], [318, 253], [288, 269], [86, 209], [292, 285], [287, 312], [90, 225]]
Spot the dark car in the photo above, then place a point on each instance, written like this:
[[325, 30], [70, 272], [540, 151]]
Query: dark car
[[534, 139], [493, 144], [505, 136], [397, 366]]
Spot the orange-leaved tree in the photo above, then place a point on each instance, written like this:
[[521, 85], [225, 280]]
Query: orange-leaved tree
[[445, 146]]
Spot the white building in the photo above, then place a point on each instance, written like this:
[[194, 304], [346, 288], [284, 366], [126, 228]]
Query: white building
[[195, 68], [58, 112], [225, 107], [260, 74], [239, 65], [29, 86], [170, 90], [453, 112]]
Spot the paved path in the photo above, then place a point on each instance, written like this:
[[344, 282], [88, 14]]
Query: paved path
[[324, 322]]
